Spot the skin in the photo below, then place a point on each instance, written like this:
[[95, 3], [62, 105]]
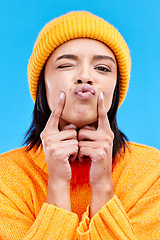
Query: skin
[[65, 74], [77, 127]]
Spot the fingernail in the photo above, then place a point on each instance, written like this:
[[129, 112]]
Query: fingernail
[[62, 95], [101, 95]]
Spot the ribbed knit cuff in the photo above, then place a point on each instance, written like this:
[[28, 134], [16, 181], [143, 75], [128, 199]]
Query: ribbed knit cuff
[[110, 222], [53, 223]]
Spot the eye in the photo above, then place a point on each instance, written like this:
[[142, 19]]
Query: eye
[[103, 69], [65, 66]]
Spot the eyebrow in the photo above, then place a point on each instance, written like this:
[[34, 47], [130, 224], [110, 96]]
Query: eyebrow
[[67, 56], [101, 57], [95, 57]]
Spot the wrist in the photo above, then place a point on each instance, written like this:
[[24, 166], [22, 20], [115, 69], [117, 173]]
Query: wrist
[[59, 195], [100, 195], [103, 186]]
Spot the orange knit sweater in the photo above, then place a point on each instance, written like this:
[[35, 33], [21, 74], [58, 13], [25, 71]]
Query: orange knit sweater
[[133, 212]]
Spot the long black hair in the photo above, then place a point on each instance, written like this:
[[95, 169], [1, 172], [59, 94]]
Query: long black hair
[[42, 112]]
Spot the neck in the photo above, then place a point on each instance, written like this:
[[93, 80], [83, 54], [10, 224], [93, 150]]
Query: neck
[[63, 124]]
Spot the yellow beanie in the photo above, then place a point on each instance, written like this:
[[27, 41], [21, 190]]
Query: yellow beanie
[[74, 25]]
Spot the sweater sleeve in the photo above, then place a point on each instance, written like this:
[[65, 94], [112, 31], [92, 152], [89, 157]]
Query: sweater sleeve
[[19, 221], [23, 211], [111, 222], [50, 223], [53, 223], [141, 221]]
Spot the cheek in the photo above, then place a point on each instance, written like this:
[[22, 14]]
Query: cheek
[[52, 92], [54, 86], [108, 96]]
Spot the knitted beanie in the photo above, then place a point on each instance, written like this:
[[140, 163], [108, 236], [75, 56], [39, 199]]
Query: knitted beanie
[[74, 25]]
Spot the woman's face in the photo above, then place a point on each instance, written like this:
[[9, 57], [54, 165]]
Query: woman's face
[[82, 68]]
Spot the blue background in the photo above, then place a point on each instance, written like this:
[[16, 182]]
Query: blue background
[[137, 21]]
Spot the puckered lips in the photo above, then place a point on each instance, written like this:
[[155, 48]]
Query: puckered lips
[[84, 91]]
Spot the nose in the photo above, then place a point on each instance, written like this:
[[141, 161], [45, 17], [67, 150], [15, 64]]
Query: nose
[[82, 80], [84, 76]]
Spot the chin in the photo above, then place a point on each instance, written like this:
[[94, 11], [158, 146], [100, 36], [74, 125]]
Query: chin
[[80, 121]]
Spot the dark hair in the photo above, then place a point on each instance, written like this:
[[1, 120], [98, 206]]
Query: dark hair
[[42, 112]]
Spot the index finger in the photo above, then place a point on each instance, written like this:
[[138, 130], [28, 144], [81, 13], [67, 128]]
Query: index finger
[[103, 122], [53, 121]]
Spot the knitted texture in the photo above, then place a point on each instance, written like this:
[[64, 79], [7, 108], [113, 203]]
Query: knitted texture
[[75, 25], [133, 212]]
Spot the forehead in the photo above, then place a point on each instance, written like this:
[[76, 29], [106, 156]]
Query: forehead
[[83, 46]]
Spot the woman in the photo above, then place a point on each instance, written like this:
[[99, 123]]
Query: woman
[[79, 177]]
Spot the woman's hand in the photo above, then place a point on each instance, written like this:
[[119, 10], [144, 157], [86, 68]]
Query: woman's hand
[[58, 147], [98, 144]]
